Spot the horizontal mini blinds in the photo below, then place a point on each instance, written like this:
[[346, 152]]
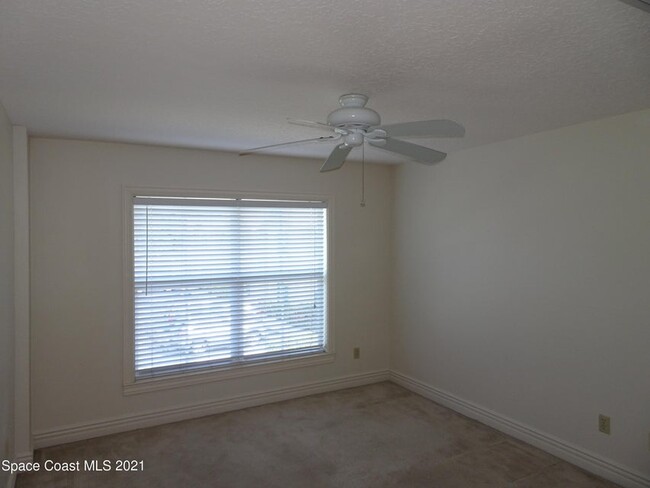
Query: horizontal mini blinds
[[227, 281]]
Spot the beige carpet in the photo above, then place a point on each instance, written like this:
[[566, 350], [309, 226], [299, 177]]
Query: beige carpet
[[373, 436]]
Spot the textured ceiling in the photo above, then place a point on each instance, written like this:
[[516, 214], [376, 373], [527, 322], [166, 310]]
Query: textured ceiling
[[226, 73]]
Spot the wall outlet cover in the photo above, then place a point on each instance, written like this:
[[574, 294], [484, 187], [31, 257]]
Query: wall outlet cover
[[604, 424]]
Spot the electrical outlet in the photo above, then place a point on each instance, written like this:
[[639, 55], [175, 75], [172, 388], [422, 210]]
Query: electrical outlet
[[604, 424], [356, 353]]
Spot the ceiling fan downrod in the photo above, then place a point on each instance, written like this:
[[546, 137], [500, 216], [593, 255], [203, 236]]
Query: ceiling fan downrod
[[353, 113]]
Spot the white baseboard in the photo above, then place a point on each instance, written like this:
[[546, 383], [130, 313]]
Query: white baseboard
[[82, 431], [562, 449], [24, 457]]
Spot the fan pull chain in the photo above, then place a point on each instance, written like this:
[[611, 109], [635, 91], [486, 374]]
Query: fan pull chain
[[363, 175]]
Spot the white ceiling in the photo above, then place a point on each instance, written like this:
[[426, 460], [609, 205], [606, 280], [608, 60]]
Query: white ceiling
[[226, 73]]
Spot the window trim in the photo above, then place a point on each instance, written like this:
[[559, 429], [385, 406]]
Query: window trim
[[129, 384]]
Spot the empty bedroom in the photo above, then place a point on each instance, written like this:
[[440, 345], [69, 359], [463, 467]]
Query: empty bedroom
[[325, 244]]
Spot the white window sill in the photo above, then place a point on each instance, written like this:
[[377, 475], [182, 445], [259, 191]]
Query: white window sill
[[223, 373]]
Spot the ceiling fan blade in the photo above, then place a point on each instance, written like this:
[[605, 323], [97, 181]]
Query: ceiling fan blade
[[336, 158], [309, 123], [430, 128], [282, 144], [419, 153]]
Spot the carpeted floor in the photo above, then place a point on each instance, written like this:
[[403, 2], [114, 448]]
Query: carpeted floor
[[373, 436]]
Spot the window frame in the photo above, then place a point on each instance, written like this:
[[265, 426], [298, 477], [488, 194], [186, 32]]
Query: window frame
[[131, 385]]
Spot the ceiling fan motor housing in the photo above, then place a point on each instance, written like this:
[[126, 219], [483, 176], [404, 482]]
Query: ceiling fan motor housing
[[353, 113]]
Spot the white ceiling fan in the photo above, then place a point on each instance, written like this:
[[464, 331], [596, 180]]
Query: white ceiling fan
[[355, 124]]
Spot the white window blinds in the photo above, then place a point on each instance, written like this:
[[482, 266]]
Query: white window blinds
[[227, 281]]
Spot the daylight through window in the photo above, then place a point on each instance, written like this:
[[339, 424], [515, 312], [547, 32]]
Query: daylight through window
[[221, 282]]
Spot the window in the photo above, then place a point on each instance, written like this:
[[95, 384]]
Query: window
[[224, 282]]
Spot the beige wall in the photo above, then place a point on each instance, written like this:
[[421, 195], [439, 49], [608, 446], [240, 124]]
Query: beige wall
[[6, 290], [523, 281], [76, 258], [522, 276]]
